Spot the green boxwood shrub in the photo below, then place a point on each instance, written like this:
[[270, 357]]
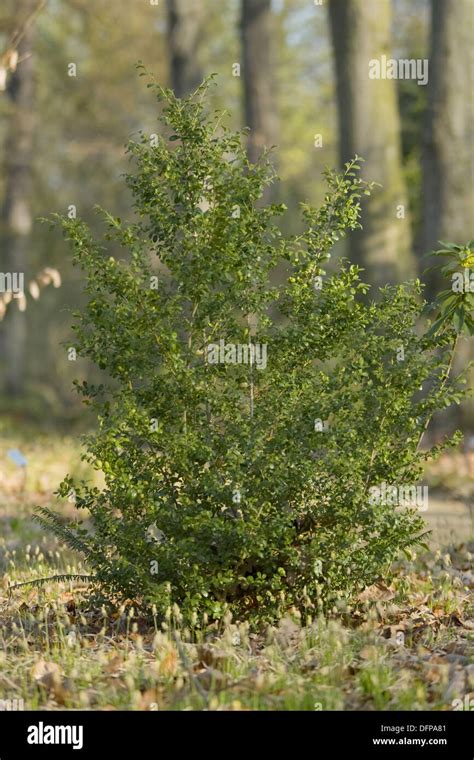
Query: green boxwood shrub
[[241, 478]]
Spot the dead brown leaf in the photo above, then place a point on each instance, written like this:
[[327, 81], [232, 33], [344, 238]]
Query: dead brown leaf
[[48, 676], [169, 664], [209, 655], [376, 593]]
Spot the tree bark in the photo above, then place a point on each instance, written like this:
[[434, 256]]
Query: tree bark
[[258, 78], [184, 29], [369, 125], [448, 159], [15, 212]]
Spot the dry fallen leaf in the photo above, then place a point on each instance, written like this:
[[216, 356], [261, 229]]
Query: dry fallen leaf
[[47, 675], [169, 663], [376, 593], [209, 655]]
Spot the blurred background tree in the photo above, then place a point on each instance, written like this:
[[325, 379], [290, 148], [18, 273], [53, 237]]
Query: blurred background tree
[[448, 156], [259, 81], [369, 125], [185, 28], [18, 163], [294, 71]]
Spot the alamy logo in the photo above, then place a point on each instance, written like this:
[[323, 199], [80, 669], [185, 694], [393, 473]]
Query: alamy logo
[[42, 734], [237, 353], [400, 496], [10, 705], [466, 704], [12, 282], [404, 68], [463, 282]]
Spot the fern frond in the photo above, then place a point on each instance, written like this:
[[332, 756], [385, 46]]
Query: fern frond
[[59, 578], [51, 522]]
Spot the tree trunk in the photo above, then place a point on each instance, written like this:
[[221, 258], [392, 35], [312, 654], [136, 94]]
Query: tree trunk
[[448, 160], [184, 29], [369, 126], [15, 213], [259, 81]]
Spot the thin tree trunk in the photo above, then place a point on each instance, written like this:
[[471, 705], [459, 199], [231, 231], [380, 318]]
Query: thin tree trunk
[[258, 77], [15, 213], [185, 19], [369, 126]]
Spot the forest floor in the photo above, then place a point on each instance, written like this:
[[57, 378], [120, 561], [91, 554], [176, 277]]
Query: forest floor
[[406, 646]]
